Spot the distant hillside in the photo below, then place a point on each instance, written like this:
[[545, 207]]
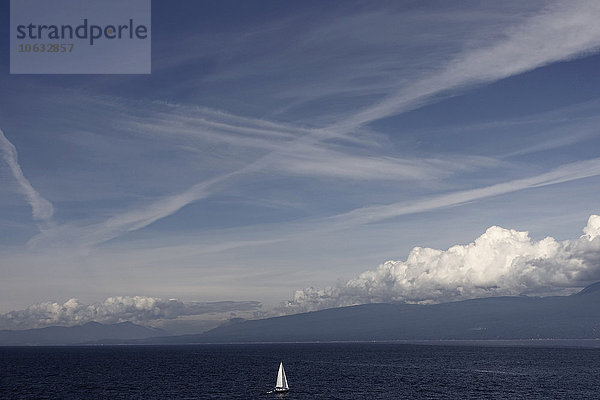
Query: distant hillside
[[87, 333], [560, 317], [495, 318]]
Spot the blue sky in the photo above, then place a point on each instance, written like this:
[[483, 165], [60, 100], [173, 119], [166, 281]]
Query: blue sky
[[284, 145]]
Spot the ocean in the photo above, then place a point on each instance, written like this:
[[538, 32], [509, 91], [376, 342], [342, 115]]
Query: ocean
[[314, 371]]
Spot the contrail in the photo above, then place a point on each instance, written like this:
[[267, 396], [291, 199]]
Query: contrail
[[560, 32], [41, 208]]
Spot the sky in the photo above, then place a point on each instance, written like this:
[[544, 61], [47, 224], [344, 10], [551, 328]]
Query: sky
[[292, 156]]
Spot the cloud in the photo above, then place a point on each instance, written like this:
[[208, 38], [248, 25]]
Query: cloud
[[323, 162], [295, 152], [560, 32], [561, 174], [500, 262], [42, 209], [137, 309]]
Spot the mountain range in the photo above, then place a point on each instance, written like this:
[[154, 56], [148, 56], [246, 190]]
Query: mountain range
[[495, 318], [90, 332]]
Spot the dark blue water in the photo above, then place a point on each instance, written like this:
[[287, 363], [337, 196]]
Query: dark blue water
[[315, 371]]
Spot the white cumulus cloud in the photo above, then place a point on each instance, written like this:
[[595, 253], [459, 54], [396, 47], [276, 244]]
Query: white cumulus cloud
[[137, 309], [500, 262]]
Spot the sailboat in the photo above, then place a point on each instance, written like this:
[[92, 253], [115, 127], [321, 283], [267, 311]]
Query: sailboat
[[282, 385]]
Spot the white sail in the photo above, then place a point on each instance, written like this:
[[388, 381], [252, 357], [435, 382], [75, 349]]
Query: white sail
[[281, 378]]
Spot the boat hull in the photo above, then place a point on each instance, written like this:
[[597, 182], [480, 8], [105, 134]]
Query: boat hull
[[281, 390]]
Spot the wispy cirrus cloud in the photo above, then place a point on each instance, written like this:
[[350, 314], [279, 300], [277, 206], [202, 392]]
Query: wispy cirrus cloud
[[560, 32], [98, 233], [557, 33], [128, 221], [370, 214], [280, 148], [41, 208]]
